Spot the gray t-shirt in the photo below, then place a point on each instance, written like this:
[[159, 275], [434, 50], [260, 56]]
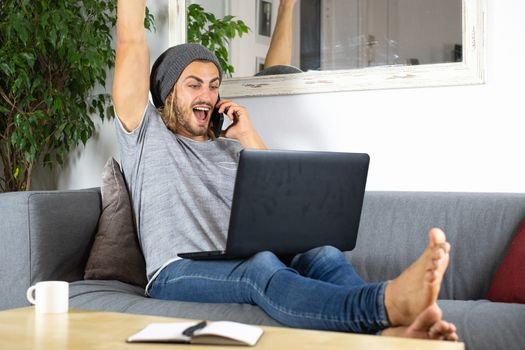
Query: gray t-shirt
[[181, 190]]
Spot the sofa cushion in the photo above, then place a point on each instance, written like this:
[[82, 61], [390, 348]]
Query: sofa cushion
[[116, 253], [120, 297], [394, 231], [508, 284], [482, 324]]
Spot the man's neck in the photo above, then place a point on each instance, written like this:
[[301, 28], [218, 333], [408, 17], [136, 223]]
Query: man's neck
[[198, 138]]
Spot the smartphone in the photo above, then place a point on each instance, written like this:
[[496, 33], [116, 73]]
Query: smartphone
[[217, 119]]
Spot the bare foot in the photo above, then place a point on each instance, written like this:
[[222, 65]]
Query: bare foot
[[417, 288], [428, 325]]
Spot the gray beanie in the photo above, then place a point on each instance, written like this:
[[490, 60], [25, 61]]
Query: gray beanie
[[279, 69], [169, 66]]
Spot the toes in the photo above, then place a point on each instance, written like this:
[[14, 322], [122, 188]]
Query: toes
[[438, 328], [436, 236], [453, 327], [445, 247], [438, 253], [452, 337], [436, 263], [440, 250], [443, 330], [451, 334]]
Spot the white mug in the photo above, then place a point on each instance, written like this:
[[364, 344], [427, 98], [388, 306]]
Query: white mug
[[50, 297]]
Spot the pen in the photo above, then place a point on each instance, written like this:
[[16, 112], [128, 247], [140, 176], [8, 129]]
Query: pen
[[190, 330]]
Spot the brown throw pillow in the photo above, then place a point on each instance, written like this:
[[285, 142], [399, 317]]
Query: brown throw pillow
[[508, 285], [116, 253]]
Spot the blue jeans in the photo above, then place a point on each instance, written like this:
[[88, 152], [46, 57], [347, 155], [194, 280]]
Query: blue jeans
[[319, 290]]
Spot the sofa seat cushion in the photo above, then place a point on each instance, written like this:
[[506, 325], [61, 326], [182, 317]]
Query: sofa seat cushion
[[482, 322], [475, 320], [115, 296]]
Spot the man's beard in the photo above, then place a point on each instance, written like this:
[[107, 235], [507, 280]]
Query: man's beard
[[184, 123]]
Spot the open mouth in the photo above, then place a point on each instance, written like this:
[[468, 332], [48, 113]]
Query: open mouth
[[201, 113]]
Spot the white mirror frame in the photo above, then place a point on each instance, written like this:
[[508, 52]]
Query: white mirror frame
[[469, 72]]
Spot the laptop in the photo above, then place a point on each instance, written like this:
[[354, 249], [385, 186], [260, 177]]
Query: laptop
[[289, 202]]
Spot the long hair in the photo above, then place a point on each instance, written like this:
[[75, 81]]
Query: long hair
[[168, 114]]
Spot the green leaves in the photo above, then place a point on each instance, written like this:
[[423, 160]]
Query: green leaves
[[149, 20], [215, 34], [52, 56]]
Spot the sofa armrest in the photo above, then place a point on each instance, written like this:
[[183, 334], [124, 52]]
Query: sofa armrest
[[45, 235]]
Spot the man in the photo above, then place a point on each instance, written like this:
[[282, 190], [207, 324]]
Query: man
[[181, 177]]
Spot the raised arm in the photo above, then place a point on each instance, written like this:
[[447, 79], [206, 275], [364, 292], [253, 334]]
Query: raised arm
[[131, 80], [280, 50]]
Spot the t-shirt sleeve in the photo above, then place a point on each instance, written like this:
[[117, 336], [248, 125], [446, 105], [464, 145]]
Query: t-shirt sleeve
[[130, 140]]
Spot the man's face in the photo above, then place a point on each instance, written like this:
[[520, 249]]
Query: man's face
[[196, 94]]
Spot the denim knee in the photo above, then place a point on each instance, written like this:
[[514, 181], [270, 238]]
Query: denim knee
[[265, 261], [263, 266], [328, 252], [329, 255]]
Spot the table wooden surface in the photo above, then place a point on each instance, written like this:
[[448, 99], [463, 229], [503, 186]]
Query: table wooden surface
[[81, 329]]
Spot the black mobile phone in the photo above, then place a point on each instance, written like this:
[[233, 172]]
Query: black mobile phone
[[217, 119]]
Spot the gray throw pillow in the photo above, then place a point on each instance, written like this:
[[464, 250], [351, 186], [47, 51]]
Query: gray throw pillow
[[116, 254]]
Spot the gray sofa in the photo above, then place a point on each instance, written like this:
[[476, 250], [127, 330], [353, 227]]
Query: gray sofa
[[47, 235]]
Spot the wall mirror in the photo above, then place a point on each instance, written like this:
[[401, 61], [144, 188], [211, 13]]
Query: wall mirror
[[344, 45]]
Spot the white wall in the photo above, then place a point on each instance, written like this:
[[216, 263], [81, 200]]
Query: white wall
[[467, 138]]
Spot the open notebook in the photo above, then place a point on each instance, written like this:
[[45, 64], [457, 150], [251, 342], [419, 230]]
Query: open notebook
[[216, 333]]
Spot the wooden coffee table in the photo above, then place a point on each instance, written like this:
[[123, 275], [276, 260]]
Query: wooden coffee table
[[80, 329]]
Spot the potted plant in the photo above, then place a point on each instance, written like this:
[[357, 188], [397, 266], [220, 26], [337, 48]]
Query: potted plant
[[52, 56], [214, 33]]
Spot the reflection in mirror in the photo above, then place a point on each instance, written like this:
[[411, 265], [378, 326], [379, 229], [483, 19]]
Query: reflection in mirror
[[274, 32], [342, 34], [365, 33], [355, 44]]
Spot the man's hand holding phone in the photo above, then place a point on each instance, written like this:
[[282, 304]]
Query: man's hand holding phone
[[241, 128]]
